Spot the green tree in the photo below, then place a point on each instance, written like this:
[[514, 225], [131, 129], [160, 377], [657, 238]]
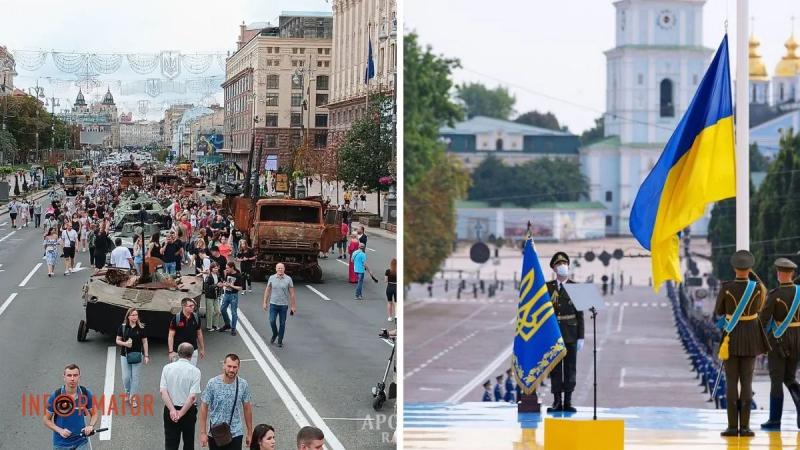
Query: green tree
[[546, 120], [366, 153], [28, 118], [537, 181], [427, 107], [594, 134], [433, 181], [482, 101], [775, 232], [8, 146], [758, 163]]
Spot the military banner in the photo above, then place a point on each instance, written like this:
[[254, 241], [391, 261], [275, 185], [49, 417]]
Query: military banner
[[538, 345]]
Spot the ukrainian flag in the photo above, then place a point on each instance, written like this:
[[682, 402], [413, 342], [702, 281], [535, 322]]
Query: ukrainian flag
[[538, 345], [697, 167]]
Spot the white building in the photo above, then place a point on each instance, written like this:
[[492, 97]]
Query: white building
[[652, 74], [141, 134]]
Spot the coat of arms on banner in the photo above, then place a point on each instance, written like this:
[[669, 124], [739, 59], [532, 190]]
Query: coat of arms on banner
[[171, 64], [152, 87]]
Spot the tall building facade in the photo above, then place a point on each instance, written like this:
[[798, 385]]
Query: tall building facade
[[172, 116], [652, 74], [7, 71], [277, 87], [355, 23]]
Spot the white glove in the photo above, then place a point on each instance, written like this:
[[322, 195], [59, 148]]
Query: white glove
[[580, 344]]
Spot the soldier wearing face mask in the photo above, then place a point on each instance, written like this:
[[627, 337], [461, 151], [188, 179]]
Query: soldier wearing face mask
[[570, 321]]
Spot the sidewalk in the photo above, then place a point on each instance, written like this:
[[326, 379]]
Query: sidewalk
[[374, 231]]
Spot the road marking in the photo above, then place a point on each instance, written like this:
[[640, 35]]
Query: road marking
[[7, 302], [346, 264], [324, 297], [7, 236], [259, 349], [423, 388], [3, 224], [470, 386], [357, 419], [108, 391], [78, 266], [619, 322], [622, 378], [371, 249], [25, 281]]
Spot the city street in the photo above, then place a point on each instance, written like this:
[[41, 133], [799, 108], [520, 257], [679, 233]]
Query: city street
[[322, 376]]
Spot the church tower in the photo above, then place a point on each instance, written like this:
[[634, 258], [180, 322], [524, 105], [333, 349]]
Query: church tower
[[786, 83], [652, 74], [655, 68], [759, 81]]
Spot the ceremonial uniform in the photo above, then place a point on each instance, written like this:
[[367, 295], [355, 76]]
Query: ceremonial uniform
[[746, 341], [487, 395], [509, 397], [783, 356], [570, 321], [498, 389]]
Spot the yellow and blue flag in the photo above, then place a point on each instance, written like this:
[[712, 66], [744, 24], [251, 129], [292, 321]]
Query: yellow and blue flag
[[538, 345], [697, 167]]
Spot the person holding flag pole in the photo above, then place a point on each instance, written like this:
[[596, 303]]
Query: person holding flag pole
[[699, 166], [538, 345]]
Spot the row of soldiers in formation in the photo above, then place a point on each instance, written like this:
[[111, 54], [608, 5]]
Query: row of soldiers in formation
[[509, 394], [755, 322]]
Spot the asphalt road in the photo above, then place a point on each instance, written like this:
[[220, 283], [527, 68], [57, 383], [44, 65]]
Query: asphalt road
[[322, 376], [640, 360]]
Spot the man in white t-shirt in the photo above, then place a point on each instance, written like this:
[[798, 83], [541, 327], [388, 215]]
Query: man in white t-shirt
[[121, 257], [68, 239]]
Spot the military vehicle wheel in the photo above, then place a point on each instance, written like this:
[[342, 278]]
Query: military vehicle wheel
[[315, 274], [83, 330]]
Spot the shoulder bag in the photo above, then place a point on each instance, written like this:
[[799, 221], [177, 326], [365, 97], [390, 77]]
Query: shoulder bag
[[131, 357], [221, 432]]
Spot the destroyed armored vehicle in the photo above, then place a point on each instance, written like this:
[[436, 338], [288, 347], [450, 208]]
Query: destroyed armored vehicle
[[130, 230], [109, 293], [129, 211]]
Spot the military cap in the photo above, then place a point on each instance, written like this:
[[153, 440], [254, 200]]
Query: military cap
[[499, 378], [557, 258], [785, 265], [487, 384], [742, 260]]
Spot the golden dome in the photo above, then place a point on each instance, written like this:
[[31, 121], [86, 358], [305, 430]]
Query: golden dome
[[789, 65], [758, 71]]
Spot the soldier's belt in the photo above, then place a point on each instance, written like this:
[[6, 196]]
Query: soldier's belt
[[571, 316], [752, 317]]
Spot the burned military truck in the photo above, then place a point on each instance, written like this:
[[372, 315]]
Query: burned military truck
[[288, 231]]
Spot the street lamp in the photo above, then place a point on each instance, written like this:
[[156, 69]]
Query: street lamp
[[298, 77], [54, 102]]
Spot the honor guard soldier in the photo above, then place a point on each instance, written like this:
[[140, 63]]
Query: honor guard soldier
[[781, 317], [509, 397], [740, 301], [498, 389], [570, 321], [487, 391]]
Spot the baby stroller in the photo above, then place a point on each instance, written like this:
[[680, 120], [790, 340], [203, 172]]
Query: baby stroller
[[379, 390]]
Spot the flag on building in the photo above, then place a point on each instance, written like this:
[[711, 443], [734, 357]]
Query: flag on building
[[697, 167], [369, 73], [538, 345]]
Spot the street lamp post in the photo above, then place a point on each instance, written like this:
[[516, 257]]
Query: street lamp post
[[300, 75], [54, 102]]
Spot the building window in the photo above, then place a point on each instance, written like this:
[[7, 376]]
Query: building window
[[781, 91], [271, 141], [321, 121], [269, 49], [320, 140], [609, 196], [272, 162], [667, 105], [273, 82], [272, 120], [609, 221], [297, 120], [322, 83], [320, 50], [272, 99], [297, 99], [319, 63], [294, 51], [499, 144], [297, 82], [302, 51], [322, 99]]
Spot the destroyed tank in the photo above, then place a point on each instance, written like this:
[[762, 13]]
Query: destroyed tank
[[129, 207], [109, 293]]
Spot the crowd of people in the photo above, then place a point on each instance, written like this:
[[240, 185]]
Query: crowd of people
[[201, 241]]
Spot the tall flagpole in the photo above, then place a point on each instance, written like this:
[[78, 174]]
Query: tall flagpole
[[366, 69], [742, 128]]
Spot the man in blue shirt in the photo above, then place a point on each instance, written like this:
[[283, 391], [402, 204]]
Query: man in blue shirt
[[66, 413], [359, 267]]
